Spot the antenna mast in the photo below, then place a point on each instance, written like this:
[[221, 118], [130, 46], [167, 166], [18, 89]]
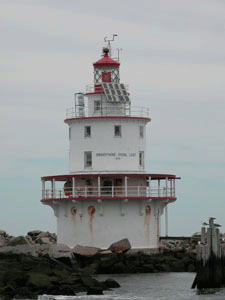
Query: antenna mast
[[109, 45]]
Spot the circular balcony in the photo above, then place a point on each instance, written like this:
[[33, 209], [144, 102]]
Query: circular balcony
[[108, 187], [115, 110]]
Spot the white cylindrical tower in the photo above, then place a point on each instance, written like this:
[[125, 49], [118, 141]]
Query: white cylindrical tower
[[108, 195]]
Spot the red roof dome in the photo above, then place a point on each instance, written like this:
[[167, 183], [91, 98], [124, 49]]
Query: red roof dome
[[106, 61]]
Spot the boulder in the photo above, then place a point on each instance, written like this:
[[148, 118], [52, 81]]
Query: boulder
[[42, 237], [43, 240], [85, 250], [29, 240], [3, 233], [111, 283], [20, 249], [60, 250], [34, 233], [19, 240], [120, 246]]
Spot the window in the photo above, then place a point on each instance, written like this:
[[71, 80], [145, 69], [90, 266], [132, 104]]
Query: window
[[117, 130], [97, 105], [141, 131], [87, 159], [87, 131], [141, 158]]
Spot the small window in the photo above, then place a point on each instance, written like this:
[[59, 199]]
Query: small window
[[117, 130], [141, 131], [141, 158], [87, 131], [97, 105], [69, 133], [87, 159]]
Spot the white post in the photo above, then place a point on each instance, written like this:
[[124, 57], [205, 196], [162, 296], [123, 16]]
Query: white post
[[158, 187], [53, 188], [43, 189], [99, 187], [73, 187], [166, 220], [112, 191], [171, 188], [150, 192], [166, 187], [125, 184], [174, 192]]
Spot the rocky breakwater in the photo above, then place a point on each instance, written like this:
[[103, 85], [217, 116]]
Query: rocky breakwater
[[119, 258], [34, 264]]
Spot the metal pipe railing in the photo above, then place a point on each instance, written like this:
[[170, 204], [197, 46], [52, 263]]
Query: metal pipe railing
[[108, 191], [110, 110]]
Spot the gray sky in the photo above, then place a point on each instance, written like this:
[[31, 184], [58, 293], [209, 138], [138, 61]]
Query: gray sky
[[172, 59]]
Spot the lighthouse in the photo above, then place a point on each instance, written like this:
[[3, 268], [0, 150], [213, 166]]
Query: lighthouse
[[107, 194]]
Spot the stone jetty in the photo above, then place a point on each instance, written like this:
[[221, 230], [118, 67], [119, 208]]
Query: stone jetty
[[35, 264]]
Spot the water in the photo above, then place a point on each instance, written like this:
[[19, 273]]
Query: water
[[160, 286]]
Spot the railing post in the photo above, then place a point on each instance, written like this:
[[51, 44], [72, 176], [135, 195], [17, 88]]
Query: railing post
[[158, 187], [99, 187], [125, 184], [171, 188], [43, 189], [166, 187], [73, 187], [166, 220], [149, 186], [85, 192], [138, 191], [174, 193], [112, 191], [53, 188]]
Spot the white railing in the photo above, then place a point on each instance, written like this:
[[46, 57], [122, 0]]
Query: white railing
[[109, 191], [109, 110]]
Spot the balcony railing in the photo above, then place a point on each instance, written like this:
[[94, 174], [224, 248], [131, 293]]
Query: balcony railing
[[116, 109], [109, 192]]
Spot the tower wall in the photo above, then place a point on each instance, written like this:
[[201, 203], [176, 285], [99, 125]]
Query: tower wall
[[98, 224], [110, 152]]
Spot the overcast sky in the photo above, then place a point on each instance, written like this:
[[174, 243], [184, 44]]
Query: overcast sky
[[172, 58]]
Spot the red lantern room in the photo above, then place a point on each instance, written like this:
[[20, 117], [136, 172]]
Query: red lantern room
[[105, 70]]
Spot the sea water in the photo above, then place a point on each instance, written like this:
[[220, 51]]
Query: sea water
[[153, 286]]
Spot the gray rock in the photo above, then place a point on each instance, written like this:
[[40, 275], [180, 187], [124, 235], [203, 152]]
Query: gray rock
[[120, 246], [29, 240], [43, 240], [34, 233], [3, 233], [60, 250], [20, 249], [85, 250], [43, 234], [19, 240]]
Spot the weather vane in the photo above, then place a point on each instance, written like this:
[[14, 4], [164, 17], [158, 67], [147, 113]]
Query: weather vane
[[108, 41]]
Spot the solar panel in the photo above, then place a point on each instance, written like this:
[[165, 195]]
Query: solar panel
[[115, 92]]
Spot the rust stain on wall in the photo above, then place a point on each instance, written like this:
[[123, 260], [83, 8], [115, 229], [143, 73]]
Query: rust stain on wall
[[91, 213], [147, 222], [73, 211]]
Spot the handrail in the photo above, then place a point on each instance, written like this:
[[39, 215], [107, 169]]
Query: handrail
[[109, 110], [109, 191]]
